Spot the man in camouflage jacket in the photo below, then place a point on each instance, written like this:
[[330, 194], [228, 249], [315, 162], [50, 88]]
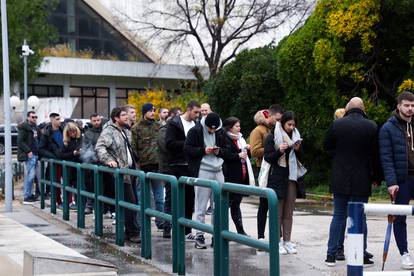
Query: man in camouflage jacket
[[144, 142], [114, 150]]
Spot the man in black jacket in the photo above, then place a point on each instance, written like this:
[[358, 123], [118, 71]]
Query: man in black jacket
[[176, 133], [205, 148], [28, 152], [88, 154], [51, 145], [352, 142]]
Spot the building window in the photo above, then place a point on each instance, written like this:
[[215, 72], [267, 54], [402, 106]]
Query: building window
[[90, 100], [45, 91], [123, 93]]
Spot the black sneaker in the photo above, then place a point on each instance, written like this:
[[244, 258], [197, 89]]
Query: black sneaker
[[340, 256], [330, 260], [367, 261], [166, 234], [200, 242], [369, 255], [29, 201], [88, 211], [134, 239]]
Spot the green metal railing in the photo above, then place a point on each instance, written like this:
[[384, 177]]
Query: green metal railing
[[219, 229]]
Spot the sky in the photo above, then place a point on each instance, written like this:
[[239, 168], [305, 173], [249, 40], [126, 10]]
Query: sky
[[125, 10]]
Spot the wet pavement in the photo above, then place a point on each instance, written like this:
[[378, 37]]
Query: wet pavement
[[310, 232]]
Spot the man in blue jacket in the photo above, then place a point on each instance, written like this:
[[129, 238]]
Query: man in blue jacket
[[397, 159]]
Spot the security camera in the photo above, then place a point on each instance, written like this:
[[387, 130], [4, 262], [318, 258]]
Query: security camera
[[26, 50]]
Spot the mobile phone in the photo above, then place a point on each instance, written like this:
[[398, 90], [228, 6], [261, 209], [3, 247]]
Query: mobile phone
[[298, 142]]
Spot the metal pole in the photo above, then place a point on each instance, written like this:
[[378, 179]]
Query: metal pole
[[6, 101], [25, 81], [355, 256]]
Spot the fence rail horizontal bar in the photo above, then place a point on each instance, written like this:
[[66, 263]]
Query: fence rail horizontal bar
[[71, 190], [196, 225], [158, 214], [388, 209], [228, 235], [87, 194], [244, 189], [107, 200], [130, 206], [196, 181]]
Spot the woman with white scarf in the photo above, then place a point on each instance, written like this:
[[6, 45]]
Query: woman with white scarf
[[282, 152], [237, 167]]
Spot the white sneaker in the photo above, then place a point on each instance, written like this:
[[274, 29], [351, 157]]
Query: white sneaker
[[107, 215], [260, 239], [114, 222], [282, 249], [190, 237], [290, 249], [407, 261]]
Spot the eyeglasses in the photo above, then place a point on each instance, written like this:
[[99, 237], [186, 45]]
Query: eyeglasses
[[33, 117]]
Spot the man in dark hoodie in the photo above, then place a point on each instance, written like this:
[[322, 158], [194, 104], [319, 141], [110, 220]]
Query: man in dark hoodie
[[397, 159], [51, 145], [205, 149], [176, 133], [28, 152], [88, 154]]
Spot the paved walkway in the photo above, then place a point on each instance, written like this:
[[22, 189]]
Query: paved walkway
[[310, 232]]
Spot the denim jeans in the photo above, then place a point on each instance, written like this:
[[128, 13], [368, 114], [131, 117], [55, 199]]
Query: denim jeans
[[405, 193], [336, 230], [30, 168], [157, 188]]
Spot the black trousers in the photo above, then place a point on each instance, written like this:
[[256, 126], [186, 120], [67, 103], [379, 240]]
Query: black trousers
[[178, 171], [235, 211], [108, 190], [262, 217], [132, 228]]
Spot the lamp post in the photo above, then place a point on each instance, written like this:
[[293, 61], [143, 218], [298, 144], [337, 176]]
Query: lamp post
[[26, 51], [7, 111]]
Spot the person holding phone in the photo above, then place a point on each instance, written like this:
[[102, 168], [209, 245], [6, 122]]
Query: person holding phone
[[283, 151], [205, 151], [237, 168], [72, 144]]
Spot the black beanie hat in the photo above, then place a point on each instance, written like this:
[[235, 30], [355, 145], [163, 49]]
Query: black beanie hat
[[146, 107], [212, 120]]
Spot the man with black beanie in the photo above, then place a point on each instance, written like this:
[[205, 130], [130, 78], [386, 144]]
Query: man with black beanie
[[205, 150]]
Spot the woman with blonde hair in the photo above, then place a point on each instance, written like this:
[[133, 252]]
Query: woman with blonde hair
[[257, 138], [72, 143]]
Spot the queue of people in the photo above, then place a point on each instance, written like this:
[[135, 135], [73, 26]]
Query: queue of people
[[198, 143]]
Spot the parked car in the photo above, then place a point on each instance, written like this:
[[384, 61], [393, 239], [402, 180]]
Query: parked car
[[13, 138]]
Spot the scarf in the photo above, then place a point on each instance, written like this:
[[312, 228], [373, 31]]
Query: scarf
[[241, 143], [296, 169]]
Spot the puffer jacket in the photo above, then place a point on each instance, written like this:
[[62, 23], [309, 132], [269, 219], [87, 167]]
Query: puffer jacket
[[111, 146], [144, 141], [393, 152]]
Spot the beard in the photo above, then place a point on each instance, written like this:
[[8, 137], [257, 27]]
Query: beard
[[407, 115]]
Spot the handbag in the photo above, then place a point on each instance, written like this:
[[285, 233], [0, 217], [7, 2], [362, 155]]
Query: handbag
[[264, 173], [301, 189]]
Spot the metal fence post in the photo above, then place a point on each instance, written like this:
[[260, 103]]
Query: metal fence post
[[80, 186], [65, 183], [274, 236], [355, 256], [221, 246], [52, 187], [145, 219], [98, 205], [119, 210], [42, 184], [178, 207]]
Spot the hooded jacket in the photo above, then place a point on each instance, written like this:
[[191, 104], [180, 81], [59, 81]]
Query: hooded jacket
[[112, 146], [25, 140], [195, 145], [48, 147], [394, 150]]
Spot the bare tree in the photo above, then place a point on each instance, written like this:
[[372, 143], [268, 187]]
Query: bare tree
[[219, 28]]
